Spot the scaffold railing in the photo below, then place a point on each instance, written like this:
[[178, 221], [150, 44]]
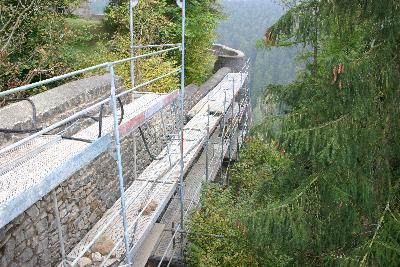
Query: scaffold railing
[[172, 163]]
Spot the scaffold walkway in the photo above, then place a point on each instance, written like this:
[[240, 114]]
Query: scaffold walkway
[[38, 163], [220, 147], [31, 171], [156, 185]]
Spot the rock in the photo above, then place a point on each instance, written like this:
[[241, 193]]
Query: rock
[[84, 261], [10, 248], [4, 239], [150, 208], [87, 254], [97, 257], [19, 236], [41, 226], [33, 212], [104, 244], [25, 255], [111, 262]]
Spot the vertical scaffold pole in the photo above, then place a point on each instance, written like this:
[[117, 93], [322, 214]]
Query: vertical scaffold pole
[[240, 119], [182, 5], [208, 138], [232, 119], [247, 104], [223, 138], [117, 140], [59, 228], [132, 4], [249, 95]]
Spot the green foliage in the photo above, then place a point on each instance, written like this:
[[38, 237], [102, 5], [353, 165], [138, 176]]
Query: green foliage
[[30, 40], [145, 70], [163, 25], [341, 128], [84, 40], [219, 217], [202, 19], [226, 211], [151, 20], [334, 200], [38, 40]]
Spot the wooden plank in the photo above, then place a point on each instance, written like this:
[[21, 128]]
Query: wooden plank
[[216, 96], [140, 260], [158, 182]]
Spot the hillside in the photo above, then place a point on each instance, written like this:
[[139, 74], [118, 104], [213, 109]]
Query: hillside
[[245, 23]]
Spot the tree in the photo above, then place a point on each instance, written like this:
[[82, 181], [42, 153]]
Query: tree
[[160, 22], [336, 201], [342, 128], [30, 37]]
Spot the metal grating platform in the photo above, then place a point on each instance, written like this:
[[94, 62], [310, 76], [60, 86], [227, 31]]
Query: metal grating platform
[[193, 183], [31, 171], [18, 155], [231, 84], [159, 180]]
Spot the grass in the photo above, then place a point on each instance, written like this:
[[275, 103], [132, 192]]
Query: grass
[[87, 37]]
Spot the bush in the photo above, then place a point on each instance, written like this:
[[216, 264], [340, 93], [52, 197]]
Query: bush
[[228, 212]]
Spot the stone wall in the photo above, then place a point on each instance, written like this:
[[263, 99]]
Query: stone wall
[[54, 105], [31, 239], [228, 57]]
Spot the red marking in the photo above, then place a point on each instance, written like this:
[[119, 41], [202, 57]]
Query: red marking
[[171, 97], [135, 121], [183, 138]]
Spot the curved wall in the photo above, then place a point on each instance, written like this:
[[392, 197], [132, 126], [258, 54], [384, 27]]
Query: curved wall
[[228, 57]]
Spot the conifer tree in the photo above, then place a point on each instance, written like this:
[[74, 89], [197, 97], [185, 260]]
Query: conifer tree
[[339, 204]]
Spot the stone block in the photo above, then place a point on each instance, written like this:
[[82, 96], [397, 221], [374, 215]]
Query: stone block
[[19, 236], [42, 225], [33, 212], [25, 255]]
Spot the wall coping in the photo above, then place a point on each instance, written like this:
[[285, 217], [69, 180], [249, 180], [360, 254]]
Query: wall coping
[[221, 50]]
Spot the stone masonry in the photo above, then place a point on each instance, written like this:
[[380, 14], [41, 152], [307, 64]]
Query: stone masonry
[[31, 239]]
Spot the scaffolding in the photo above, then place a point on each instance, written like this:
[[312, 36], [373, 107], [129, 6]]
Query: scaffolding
[[226, 107]]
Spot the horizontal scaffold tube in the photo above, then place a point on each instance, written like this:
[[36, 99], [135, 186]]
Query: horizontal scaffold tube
[[78, 72], [77, 115]]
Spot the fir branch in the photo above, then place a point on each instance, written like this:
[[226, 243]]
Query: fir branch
[[319, 126], [364, 260], [295, 196], [388, 246], [290, 115], [394, 216]]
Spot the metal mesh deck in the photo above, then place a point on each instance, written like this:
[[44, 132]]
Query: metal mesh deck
[[24, 152], [24, 170], [159, 180], [193, 183]]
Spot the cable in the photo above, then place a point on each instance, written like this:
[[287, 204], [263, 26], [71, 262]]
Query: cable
[[16, 131], [146, 145], [77, 139], [35, 130], [100, 121], [122, 110]]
